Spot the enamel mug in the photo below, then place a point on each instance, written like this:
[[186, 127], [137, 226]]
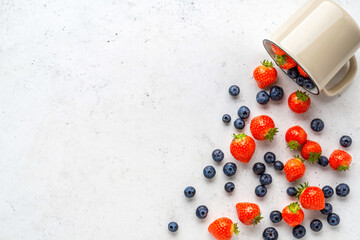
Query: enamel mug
[[322, 38]]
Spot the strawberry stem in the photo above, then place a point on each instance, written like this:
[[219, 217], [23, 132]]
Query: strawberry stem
[[300, 189], [281, 60], [267, 63], [293, 145], [271, 133], [314, 157], [300, 158], [294, 207], [302, 96], [257, 219], [236, 229], [239, 136], [342, 168]]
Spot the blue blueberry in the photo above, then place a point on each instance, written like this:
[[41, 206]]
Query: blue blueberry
[[201, 211], [276, 93], [323, 161], [173, 226], [259, 168], [209, 172], [342, 190], [328, 191], [293, 72], [327, 209], [239, 123], [217, 155], [291, 191], [270, 233], [265, 179], [317, 125], [275, 216], [260, 191], [269, 157], [299, 231], [308, 84], [333, 219], [345, 141], [244, 112], [300, 81], [226, 118], [229, 187], [262, 97], [230, 169], [278, 166], [234, 90], [316, 225], [189, 192]]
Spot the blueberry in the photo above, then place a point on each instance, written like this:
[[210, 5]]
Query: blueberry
[[279, 166], [201, 211], [217, 155], [259, 168], [269, 157], [229, 187], [327, 209], [276, 93], [229, 169], [291, 191], [299, 231], [189, 192], [262, 97], [333, 219], [226, 118], [275, 216], [293, 72], [265, 179], [308, 84], [244, 112], [239, 123], [345, 141], [234, 90], [260, 191], [209, 172], [328, 191], [270, 233], [317, 125], [300, 80], [173, 226], [316, 225], [342, 190], [323, 161]]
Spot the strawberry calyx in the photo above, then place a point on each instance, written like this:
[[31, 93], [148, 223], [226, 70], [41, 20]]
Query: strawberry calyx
[[294, 207], [239, 136], [281, 59], [342, 168], [270, 134], [302, 188], [293, 145], [267, 63], [257, 219], [302, 96], [236, 229], [300, 158], [314, 157]]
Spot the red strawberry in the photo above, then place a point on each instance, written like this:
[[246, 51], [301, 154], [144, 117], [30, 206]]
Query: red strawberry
[[299, 102], [277, 50], [285, 62], [292, 214], [311, 197], [302, 72], [295, 137], [311, 151], [242, 147], [248, 213], [340, 160], [223, 229], [294, 169], [263, 128], [265, 74]]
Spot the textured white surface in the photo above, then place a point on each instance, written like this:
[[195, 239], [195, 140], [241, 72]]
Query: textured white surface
[[109, 109]]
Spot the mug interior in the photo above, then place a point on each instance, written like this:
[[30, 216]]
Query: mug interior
[[267, 44]]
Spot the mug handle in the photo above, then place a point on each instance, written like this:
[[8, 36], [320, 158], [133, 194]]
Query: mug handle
[[341, 85]]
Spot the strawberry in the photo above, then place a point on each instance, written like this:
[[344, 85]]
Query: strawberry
[[311, 151], [311, 197], [294, 169], [223, 229], [302, 72], [295, 137], [285, 62], [277, 50], [242, 147], [340, 160], [248, 213], [299, 102], [263, 128], [292, 214], [265, 74]]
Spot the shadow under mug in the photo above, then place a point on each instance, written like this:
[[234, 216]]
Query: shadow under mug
[[321, 37]]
